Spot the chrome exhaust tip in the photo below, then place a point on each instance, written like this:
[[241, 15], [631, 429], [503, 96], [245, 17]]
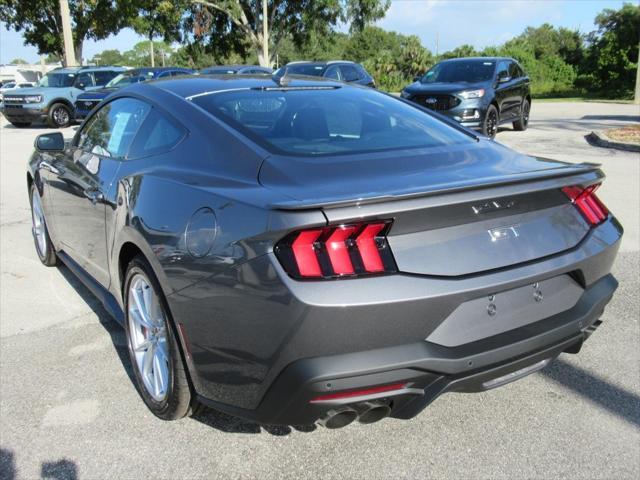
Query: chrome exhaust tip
[[371, 412], [338, 418]]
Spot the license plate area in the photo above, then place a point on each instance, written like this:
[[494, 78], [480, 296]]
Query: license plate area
[[503, 311]]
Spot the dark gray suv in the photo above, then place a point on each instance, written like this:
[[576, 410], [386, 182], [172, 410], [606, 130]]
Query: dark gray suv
[[480, 93], [341, 70]]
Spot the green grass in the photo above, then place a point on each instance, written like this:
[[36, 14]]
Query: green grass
[[581, 99]]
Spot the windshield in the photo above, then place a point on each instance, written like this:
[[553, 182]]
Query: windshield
[[305, 69], [128, 78], [219, 71], [57, 80], [470, 71], [328, 120]]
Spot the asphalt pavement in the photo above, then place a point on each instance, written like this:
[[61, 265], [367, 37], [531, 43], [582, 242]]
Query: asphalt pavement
[[68, 409]]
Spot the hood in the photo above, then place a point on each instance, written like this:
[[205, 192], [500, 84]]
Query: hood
[[314, 181], [443, 87], [25, 91], [97, 93]]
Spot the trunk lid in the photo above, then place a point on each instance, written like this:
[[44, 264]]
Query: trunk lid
[[456, 211]]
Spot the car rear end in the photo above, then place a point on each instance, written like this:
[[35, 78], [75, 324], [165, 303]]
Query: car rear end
[[387, 278]]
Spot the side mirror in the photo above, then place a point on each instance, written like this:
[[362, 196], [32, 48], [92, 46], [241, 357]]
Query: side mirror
[[504, 78], [50, 142], [416, 78]]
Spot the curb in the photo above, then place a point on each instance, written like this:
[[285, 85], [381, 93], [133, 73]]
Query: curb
[[600, 139]]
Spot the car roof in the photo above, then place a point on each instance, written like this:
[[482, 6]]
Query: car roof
[[190, 86], [323, 62], [486, 59]]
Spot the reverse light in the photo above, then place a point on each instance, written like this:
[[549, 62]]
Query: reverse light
[[467, 94], [587, 203], [359, 393], [337, 251]]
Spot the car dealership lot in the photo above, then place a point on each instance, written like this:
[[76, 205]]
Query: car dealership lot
[[68, 408]]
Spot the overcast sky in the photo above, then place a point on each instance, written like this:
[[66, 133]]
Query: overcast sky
[[456, 22]]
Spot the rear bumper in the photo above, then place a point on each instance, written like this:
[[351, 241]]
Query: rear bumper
[[427, 369]]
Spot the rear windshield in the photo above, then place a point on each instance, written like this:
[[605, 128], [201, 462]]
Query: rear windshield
[[328, 120], [471, 71], [305, 69], [128, 78]]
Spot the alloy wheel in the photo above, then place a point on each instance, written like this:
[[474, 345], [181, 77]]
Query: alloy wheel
[[492, 124], [148, 337], [38, 228], [61, 116]]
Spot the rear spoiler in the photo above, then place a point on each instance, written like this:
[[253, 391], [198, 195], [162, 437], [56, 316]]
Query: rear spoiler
[[577, 174]]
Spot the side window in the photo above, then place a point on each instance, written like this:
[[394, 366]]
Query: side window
[[84, 80], [164, 74], [333, 72], [349, 73], [102, 78], [503, 69], [514, 71], [111, 130], [158, 134]]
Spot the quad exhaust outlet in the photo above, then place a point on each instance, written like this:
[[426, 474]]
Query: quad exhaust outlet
[[364, 412]]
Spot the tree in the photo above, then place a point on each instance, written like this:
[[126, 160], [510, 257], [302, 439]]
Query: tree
[[18, 61], [612, 59], [40, 21], [140, 54], [461, 51], [264, 24], [109, 57], [157, 18]]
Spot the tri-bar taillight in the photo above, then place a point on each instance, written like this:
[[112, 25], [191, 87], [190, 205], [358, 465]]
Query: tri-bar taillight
[[338, 251], [586, 201]]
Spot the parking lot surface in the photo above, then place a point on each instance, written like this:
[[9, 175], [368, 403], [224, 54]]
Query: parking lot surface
[[68, 408]]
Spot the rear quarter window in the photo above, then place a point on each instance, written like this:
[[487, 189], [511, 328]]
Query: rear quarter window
[[158, 134]]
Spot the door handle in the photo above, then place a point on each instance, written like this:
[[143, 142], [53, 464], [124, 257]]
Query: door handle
[[47, 166], [94, 195]]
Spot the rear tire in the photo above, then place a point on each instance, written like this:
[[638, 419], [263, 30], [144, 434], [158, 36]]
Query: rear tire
[[21, 124], [166, 393], [44, 247], [522, 123], [490, 122], [59, 116]]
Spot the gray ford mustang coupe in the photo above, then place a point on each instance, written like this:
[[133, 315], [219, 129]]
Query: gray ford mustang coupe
[[297, 250]]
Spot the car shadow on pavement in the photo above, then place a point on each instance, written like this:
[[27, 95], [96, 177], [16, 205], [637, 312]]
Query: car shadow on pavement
[[230, 424], [113, 328], [218, 420], [620, 402]]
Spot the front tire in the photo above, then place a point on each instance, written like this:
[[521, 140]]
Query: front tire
[[59, 116], [159, 371], [522, 123], [44, 248], [490, 122]]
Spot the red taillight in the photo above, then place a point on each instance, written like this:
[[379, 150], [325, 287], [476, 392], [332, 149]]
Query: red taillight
[[586, 201], [359, 393], [338, 251]]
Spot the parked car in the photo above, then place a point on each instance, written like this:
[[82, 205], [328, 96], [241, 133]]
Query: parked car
[[344, 71], [7, 87], [236, 70], [52, 99], [89, 100], [311, 251], [480, 93]]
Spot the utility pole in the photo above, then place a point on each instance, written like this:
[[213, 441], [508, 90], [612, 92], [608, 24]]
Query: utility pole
[[636, 97], [265, 34], [67, 35], [437, 41]]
